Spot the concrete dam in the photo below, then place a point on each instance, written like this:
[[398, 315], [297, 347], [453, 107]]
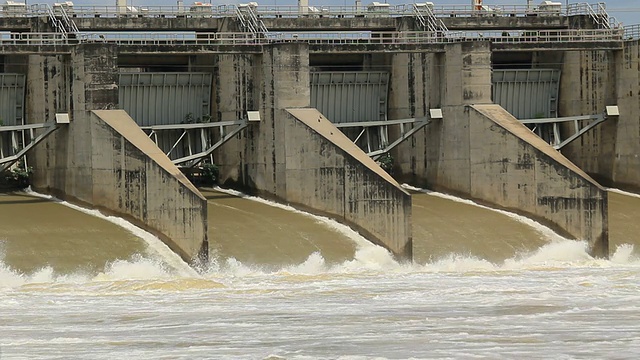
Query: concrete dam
[[532, 109]]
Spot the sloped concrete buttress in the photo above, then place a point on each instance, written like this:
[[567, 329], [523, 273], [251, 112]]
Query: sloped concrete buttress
[[510, 166], [134, 178], [328, 173], [103, 159]]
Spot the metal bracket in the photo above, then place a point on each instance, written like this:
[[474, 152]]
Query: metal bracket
[[581, 124], [18, 136], [405, 133], [195, 139]]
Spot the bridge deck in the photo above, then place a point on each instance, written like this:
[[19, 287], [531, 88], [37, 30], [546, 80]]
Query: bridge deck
[[409, 41]]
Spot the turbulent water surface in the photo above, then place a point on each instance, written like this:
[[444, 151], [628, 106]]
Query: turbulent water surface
[[111, 291]]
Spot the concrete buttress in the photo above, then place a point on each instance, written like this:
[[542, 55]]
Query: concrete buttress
[[103, 159]]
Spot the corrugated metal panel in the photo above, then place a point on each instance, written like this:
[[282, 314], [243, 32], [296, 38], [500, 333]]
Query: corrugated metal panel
[[12, 99], [350, 96], [527, 94], [165, 98]]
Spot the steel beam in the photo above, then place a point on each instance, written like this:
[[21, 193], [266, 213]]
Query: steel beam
[[203, 130], [8, 161]]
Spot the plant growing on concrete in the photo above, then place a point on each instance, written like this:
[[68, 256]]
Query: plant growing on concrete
[[191, 119], [209, 174], [19, 176], [386, 162]]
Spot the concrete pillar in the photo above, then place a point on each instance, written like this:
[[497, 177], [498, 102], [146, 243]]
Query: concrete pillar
[[284, 81], [467, 77], [235, 91], [48, 92], [412, 94], [587, 86], [626, 160]]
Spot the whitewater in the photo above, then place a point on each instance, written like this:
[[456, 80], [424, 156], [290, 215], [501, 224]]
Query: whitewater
[[555, 302]]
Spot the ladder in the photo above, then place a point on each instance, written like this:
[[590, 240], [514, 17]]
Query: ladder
[[427, 20], [60, 20], [601, 17], [250, 22]]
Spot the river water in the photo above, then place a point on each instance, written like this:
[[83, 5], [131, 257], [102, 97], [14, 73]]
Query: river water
[[286, 285]]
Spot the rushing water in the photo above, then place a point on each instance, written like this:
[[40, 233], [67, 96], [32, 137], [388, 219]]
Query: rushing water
[[529, 294]]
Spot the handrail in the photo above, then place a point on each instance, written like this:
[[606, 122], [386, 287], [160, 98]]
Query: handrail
[[267, 11], [70, 25], [632, 32], [430, 22], [250, 22], [358, 37]]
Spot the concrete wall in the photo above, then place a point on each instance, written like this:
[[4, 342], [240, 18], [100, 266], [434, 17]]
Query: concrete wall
[[327, 173], [132, 177], [513, 168], [235, 91], [414, 88], [479, 151], [287, 159], [626, 170], [610, 151], [284, 83], [88, 161], [587, 86]]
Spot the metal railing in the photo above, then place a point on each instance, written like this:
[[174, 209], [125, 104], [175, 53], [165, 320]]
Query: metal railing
[[67, 23], [250, 21], [267, 11], [632, 32], [597, 12], [429, 22], [336, 38]]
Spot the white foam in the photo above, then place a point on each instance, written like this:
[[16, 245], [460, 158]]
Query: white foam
[[139, 268], [622, 192]]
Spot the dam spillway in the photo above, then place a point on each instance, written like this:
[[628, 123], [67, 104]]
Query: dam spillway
[[431, 96], [490, 309], [37, 232]]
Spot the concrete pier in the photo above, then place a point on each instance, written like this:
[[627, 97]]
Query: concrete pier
[[102, 159], [609, 152], [327, 173], [480, 151]]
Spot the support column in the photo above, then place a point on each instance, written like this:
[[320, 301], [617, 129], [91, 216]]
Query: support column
[[466, 81], [587, 86], [626, 160], [102, 159], [234, 92], [284, 79]]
